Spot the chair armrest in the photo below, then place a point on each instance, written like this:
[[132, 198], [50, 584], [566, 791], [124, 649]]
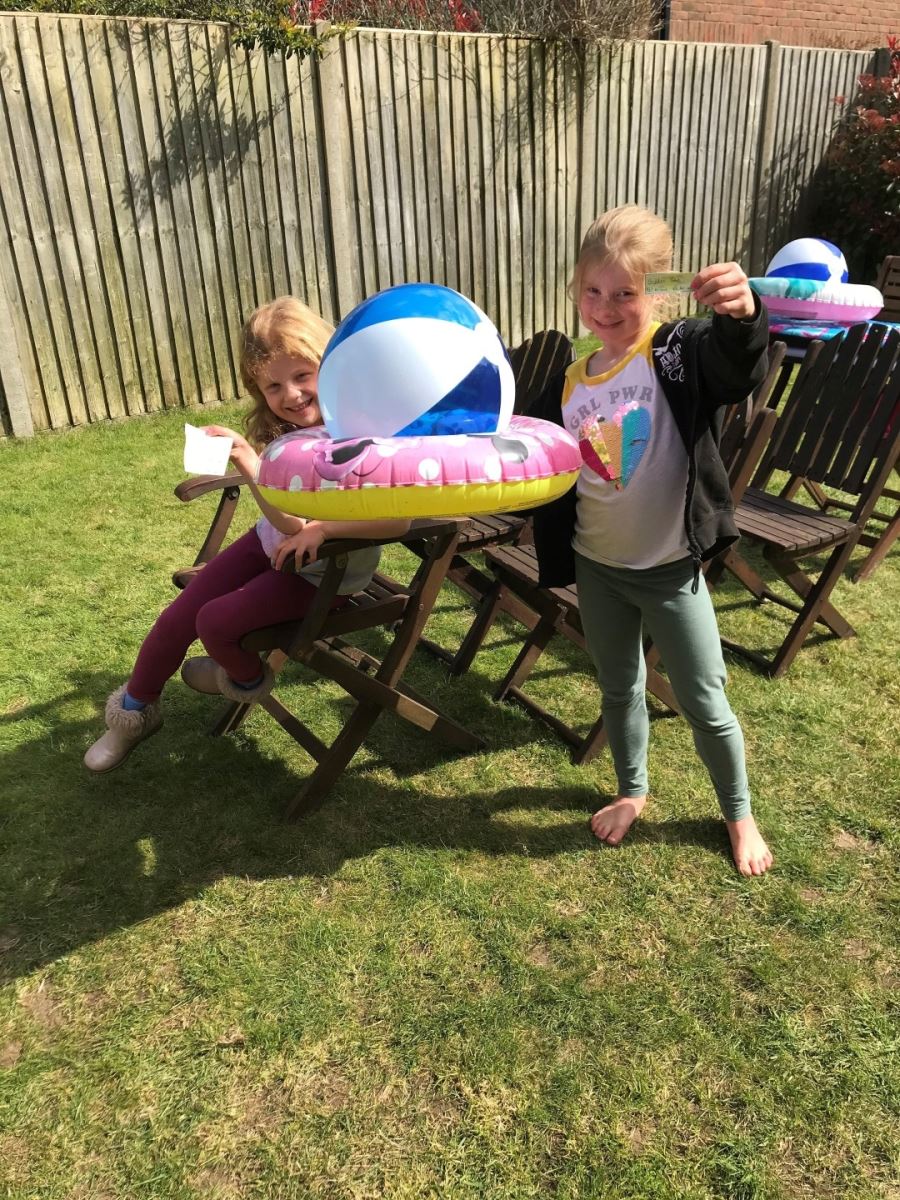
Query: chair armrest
[[190, 489], [230, 488], [418, 530]]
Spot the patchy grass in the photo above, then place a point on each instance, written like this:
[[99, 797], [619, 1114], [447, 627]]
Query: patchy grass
[[439, 985]]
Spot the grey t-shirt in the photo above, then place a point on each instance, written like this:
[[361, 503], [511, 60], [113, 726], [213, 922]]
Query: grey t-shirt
[[633, 480], [360, 569]]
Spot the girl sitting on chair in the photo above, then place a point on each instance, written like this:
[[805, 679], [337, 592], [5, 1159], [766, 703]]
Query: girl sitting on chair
[[243, 587]]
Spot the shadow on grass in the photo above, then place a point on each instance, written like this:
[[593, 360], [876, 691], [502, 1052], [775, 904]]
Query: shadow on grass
[[90, 854]]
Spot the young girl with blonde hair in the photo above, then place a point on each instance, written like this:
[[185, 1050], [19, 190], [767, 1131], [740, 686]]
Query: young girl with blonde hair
[[243, 587], [652, 502]]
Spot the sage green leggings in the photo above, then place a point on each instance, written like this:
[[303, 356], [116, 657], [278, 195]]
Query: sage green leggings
[[617, 606]]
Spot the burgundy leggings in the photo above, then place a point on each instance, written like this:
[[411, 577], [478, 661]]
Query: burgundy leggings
[[236, 592]]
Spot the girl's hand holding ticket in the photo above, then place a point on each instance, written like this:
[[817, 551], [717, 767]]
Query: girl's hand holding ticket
[[724, 288], [242, 455]]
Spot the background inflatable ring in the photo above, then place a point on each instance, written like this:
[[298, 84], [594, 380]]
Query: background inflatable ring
[[844, 303]]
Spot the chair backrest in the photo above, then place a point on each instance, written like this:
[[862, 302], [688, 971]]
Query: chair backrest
[[536, 361], [888, 283], [841, 423]]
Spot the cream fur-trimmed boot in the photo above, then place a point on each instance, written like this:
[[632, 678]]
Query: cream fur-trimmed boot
[[205, 675], [125, 728]]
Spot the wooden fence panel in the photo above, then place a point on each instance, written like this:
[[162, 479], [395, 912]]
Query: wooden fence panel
[[157, 183], [37, 227], [28, 363]]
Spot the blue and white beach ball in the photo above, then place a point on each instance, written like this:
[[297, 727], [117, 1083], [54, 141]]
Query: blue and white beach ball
[[809, 258], [415, 360]]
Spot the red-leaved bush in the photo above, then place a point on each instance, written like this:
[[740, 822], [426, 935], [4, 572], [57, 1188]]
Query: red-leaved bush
[[858, 187]]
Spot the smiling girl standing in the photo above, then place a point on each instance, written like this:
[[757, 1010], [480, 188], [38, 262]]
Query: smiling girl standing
[[652, 503], [243, 588]]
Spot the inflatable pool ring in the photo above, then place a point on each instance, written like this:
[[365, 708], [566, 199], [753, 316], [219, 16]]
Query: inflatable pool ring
[[417, 394], [808, 279], [313, 475], [842, 303]]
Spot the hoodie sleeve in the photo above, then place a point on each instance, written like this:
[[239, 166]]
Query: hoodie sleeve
[[733, 356]]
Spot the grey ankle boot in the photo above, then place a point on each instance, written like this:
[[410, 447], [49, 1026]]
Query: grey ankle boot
[[200, 674], [124, 729], [205, 675]]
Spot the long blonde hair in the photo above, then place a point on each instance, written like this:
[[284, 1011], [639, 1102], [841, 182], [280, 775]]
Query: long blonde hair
[[285, 326], [630, 236]]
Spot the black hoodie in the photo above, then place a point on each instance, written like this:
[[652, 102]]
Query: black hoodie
[[702, 365]]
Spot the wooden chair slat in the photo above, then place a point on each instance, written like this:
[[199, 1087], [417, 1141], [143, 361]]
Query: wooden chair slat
[[848, 391], [888, 283], [791, 426], [819, 404], [870, 444], [860, 438]]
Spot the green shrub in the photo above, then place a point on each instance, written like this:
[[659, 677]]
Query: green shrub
[[858, 187], [290, 25], [266, 23]]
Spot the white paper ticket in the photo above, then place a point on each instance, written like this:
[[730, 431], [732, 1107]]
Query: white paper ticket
[[204, 455], [668, 281]]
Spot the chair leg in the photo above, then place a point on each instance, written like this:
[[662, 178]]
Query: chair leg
[[595, 740], [533, 647], [657, 685], [877, 555], [486, 614], [742, 571], [498, 600], [800, 583], [324, 776], [811, 609]]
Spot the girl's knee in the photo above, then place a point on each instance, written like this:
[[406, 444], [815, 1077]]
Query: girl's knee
[[212, 622], [623, 698]]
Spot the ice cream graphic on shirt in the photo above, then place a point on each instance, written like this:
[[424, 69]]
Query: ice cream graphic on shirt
[[614, 447]]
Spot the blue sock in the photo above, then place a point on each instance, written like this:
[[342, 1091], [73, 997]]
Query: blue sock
[[131, 705], [247, 686]]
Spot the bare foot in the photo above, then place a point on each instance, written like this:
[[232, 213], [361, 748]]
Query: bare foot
[[751, 854], [610, 824]]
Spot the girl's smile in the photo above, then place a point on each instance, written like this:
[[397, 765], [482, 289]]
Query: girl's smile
[[290, 386]]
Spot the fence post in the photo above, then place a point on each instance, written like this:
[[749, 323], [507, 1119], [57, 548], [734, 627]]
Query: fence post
[[12, 381], [340, 192], [765, 147]]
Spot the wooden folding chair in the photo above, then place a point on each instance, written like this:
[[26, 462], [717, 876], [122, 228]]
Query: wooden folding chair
[[746, 432], [883, 527], [840, 429], [319, 642], [534, 363]]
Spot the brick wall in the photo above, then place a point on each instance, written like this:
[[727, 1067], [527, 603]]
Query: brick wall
[[844, 24]]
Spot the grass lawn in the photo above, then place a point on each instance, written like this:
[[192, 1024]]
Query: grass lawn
[[439, 985]]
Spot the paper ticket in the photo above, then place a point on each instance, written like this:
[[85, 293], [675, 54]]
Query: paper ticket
[[668, 281], [204, 455]]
